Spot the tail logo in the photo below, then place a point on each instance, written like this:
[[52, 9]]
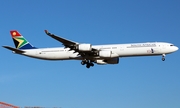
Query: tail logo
[[14, 33], [21, 41]]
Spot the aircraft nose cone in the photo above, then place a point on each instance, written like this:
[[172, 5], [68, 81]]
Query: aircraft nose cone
[[176, 48]]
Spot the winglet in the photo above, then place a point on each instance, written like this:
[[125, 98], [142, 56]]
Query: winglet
[[46, 31]]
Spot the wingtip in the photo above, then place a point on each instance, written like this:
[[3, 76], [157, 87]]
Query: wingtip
[[49, 34], [46, 31]]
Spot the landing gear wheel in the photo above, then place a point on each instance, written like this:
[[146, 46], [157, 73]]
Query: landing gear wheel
[[83, 62], [88, 65], [163, 59], [91, 64]]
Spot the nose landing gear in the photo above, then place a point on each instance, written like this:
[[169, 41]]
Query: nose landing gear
[[163, 57]]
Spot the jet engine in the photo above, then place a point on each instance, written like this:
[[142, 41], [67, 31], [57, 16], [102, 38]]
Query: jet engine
[[84, 47], [108, 61]]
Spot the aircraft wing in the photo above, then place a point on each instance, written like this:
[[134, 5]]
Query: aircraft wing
[[71, 44], [65, 42]]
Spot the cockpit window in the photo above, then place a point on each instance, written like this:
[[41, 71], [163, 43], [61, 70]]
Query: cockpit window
[[171, 45]]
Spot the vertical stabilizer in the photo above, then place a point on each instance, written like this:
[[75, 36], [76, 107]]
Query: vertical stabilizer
[[19, 41]]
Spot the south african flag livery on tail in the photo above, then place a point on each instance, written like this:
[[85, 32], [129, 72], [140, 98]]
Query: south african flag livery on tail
[[19, 41]]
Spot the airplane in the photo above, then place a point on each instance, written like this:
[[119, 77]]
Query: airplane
[[87, 53]]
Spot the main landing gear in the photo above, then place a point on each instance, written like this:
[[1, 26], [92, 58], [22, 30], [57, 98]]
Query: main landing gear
[[163, 57], [88, 63]]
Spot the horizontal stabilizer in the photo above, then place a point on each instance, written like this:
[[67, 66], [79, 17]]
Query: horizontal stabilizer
[[14, 49]]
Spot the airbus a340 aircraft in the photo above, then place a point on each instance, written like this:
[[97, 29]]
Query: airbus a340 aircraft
[[87, 53]]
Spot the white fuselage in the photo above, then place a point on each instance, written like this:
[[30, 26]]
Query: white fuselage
[[122, 50]]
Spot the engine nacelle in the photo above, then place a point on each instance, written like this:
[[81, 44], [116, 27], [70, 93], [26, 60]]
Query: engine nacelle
[[84, 47], [107, 54], [108, 61]]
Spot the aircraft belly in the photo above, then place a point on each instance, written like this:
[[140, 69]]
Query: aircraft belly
[[61, 55]]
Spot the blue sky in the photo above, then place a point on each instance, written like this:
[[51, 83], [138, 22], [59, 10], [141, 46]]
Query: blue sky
[[140, 82]]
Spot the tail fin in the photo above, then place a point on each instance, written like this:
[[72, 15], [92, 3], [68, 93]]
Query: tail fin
[[19, 41]]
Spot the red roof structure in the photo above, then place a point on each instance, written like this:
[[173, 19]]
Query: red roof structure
[[6, 105]]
